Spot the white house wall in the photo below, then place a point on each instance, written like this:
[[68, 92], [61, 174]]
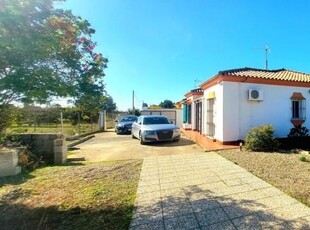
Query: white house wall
[[240, 115], [231, 107]]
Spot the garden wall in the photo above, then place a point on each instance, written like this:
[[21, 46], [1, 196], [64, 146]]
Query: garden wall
[[51, 147]]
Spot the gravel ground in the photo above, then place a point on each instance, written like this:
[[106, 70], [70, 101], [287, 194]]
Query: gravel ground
[[283, 170]]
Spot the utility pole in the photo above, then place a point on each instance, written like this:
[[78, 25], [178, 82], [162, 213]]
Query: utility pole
[[133, 102]]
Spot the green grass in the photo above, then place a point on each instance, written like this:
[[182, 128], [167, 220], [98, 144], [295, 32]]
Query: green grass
[[75, 196]]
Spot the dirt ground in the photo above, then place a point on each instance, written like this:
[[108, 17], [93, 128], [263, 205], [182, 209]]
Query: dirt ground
[[283, 170], [108, 146]]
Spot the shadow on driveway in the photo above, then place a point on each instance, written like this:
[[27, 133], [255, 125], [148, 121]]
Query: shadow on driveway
[[182, 142]]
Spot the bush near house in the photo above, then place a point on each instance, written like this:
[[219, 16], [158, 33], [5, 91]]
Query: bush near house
[[298, 138], [261, 139], [298, 131], [295, 143]]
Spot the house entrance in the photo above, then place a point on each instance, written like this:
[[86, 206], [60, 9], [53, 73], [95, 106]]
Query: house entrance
[[210, 117], [198, 113]]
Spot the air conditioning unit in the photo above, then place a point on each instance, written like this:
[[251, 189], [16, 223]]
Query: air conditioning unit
[[255, 95]]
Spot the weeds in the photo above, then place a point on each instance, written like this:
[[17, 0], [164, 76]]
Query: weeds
[[303, 159]]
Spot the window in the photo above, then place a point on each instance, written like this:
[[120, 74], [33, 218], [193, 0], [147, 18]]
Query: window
[[297, 109], [298, 106], [189, 114], [184, 113]]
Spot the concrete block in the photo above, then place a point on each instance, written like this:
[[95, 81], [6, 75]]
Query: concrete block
[[8, 163], [46, 145], [59, 142], [43, 137], [56, 136], [60, 153]]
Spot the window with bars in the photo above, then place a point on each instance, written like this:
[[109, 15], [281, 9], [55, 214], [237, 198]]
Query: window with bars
[[298, 107]]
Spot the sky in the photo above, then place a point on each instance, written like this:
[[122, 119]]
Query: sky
[[161, 49]]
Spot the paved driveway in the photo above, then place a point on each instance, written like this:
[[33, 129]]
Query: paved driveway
[[109, 146], [181, 187], [206, 191]]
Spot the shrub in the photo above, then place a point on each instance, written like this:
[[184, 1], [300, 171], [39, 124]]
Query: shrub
[[261, 139], [298, 131], [303, 158]]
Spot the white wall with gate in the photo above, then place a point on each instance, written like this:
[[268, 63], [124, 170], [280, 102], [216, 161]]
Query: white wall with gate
[[175, 115]]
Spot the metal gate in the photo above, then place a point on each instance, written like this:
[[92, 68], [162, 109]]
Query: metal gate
[[210, 118], [198, 119]]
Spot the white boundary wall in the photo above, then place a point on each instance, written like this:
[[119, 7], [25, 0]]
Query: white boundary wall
[[175, 115]]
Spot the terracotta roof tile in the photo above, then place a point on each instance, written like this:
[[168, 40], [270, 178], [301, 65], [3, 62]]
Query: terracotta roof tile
[[197, 90], [279, 74]]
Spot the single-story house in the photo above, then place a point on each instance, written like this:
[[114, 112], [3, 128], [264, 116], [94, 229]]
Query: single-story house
[[232, 102]]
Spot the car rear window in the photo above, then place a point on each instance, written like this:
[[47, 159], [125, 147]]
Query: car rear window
[[128, 118], [155, 120]]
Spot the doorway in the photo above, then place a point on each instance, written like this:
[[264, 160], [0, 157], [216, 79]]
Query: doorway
[[210, 117], [198, 118]]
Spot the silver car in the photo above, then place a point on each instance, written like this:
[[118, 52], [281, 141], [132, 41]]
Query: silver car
[[153, 128]]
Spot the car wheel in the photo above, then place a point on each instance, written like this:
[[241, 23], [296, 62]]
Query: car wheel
[[141, 139]]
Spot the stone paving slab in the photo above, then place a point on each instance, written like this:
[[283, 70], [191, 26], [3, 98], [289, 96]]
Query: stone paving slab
[[206, 191]]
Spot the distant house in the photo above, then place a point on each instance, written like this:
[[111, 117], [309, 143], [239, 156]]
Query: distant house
[[232, 102]]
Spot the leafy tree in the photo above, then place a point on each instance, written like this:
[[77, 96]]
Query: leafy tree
[[109, 105], [154, 107], [36, 115], [73, 114], [7, 116], [137, 112], [45, 52], [167, 104]]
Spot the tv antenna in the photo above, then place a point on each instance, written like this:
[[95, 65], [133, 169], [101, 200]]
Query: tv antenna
[[197, 82], [267, 50]]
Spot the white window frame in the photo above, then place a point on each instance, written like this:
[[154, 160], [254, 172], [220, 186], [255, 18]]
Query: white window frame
[[301, 109]]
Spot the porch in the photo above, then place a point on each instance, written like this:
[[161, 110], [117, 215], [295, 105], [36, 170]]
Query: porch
[[205, 142]]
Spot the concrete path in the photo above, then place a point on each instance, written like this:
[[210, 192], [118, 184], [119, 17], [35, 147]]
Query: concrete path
[[108, 146], [205, 191]]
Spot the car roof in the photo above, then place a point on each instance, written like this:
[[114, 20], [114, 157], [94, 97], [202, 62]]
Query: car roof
[[153, 116], [128, 115]]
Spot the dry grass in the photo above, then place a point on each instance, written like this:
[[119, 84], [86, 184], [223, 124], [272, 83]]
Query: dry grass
[[285, 171], [68, 129], [90, 196]]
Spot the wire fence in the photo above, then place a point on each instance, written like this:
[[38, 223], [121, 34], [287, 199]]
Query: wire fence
[[64, 126]]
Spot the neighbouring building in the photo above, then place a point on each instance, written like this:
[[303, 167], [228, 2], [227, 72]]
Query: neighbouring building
[[232, 102]]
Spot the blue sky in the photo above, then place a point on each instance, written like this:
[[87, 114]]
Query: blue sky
[[158, 48]]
